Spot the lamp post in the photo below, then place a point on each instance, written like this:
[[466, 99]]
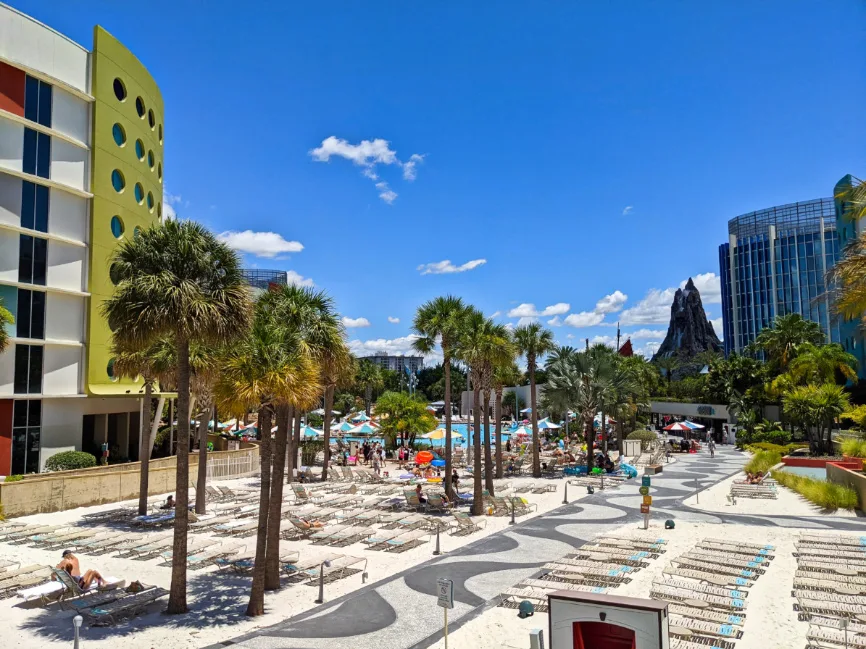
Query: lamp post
[[565, 496], [325, 564], [437, 551], [76, 623], [844, 624], [512, 521]]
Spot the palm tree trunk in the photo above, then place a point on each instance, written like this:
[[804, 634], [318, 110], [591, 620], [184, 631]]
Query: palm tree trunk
[[297, 438], [201, 483], [326, 425], [449, 489], [368, 398], [256, 605], [278, 468], [478, 504], [603, 430], [293, 452], [589, 435], [488, 458], [177, 591], [536, 458], [144, 450], [620, 436], [497, 414]]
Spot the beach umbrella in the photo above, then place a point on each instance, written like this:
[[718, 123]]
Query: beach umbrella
[[363, 429], [309, 431], [678, 426], [546, 424], [439, 433], [321, 412], [423, 457], [692, 424], [523, 431], [344, 427], [438, 463], [526, 410], [361, 416]]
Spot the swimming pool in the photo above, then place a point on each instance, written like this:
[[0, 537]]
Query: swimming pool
[[816, 472]]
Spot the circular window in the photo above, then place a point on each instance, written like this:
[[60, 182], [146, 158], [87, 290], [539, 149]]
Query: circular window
[[139, 193], [139, 106], [110, 370], [119, 135], [114, 274], [150, 201], [136, 232], [151, 119], [159, 171], [119, 90], [117, 181], [139, 149], [150, 160], [160, 133], [116, 227]]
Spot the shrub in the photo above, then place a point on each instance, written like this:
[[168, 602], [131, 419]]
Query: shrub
[[69, 460], [824, 494], [309, 451], [15, 477], [646, 438], [767, 446], [854, 447], [763, 461], [780, 437]]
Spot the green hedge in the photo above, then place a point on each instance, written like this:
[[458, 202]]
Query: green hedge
[[824, 494], [646, 438], [854, 447], [15, 477], [69, 460], [787, 449]]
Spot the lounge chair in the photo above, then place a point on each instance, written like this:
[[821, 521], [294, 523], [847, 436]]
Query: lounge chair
[[246, 561], [193, 546], [322, 535], [661, 590], [22, 535], [14, 580], [63, 586], [464, 524], [147, 546], [703, 613], [406, 540], [297, 569], [339, 568], [130, 605], [213, 554], [437, 503], [413, 502], [708, 577], [381, 536], [154, 520]]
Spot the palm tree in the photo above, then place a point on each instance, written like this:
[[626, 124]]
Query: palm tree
[[820, 364], [504, 374], [441, 321], [6, 317], [781, 341], [669, 364], [370, 377], [848, 276], [831, 401], [501, 357], [309, 316], [482, 345], [271, 366], [533, 341], [176, 279]]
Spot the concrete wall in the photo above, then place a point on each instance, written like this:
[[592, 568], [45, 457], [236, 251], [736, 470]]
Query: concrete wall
[[64, 490], [854, 479]]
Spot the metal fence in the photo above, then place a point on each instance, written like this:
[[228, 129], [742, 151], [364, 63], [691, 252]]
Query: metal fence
[[231, 467]]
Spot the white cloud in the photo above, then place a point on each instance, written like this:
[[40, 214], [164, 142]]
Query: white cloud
[[368, 154], [627, 209], [709, 285], [718, 327], [296, 279], [610, 341], [445, 267], [409, 171], [555, 322], [169, 202], [570, 336], [527, 319], [646, 333], [393, 347], [611, 303], [168, 211], [260, 244], [365, 154], [393, 320], [648, 349], [355, 322], [584, 319], [655, 308], [496, 314], [527, 309]]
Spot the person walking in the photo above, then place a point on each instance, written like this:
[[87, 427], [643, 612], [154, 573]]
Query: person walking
[[711, 445]]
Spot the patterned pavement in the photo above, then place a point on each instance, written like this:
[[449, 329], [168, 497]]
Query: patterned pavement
[[399, 612]]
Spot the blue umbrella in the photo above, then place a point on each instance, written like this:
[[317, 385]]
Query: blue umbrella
[[438, 463], [309, 431]]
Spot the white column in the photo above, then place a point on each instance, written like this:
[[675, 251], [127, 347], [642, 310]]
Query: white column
[[772, 234], [732, 240]]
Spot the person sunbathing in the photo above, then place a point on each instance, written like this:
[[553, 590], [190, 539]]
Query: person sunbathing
[[750, 479], [309, 524], [169, 503], [759, 478], [69, 563]]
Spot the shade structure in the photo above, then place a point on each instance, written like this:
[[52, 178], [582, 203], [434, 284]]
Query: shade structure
[[439, 433], [546, 424], [526, 410], [309, 431], [523, 431], [361, 416], [693, 425], [678, 425], [424, 457], [363, 429], [321, 412], [343, 427]]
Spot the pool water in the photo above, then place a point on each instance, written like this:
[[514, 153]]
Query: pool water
[[816, 472]]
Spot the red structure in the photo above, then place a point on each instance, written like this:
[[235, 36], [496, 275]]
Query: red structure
[[626, 349]]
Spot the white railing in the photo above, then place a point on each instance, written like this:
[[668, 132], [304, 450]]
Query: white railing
[[225, 468]]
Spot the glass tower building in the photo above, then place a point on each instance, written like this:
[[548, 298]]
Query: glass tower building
[[774, 263]]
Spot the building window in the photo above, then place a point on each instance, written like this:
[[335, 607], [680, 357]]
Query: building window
[[118, 181], [151, 119], [30, 320], [28, 369], [34, 206], [139, 193], [117, 227], [119, 135], [32, 260], [119, 90], [26, 429], [139, 149], [37, 153], [139, 106], [37, 101]]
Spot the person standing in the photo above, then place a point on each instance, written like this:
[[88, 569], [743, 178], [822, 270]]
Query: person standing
[[711, 444]]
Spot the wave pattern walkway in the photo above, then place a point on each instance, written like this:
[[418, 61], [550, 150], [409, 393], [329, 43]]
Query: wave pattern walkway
[[399, 612]]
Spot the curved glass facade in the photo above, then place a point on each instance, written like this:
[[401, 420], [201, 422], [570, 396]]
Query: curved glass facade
[[773, 264]]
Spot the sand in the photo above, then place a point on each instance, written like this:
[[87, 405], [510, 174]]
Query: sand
[[217, 603]]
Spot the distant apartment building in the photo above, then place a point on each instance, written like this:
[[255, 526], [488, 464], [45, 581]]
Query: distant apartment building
[[397, 363], [260, 279]]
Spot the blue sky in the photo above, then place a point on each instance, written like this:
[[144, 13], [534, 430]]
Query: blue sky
[[590, 153]]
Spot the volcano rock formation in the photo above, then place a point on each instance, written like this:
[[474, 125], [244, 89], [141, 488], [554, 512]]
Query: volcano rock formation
[[689, 332]]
